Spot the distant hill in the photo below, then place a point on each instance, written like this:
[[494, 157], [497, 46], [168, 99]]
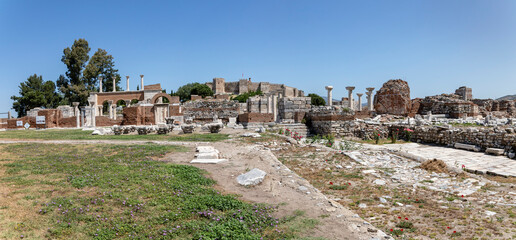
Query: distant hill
[[508, 97]]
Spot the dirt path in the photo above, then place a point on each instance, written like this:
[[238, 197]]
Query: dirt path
[[281, 187]]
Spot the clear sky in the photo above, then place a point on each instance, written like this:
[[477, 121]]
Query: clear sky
[[437, 46]]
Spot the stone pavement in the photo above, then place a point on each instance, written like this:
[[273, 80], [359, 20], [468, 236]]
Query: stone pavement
[[473, 161]]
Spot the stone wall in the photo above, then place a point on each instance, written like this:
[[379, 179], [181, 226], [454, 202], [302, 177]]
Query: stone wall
[[259, 104], [481, 137], [449, 104], [504, 138], [499, 108], [325, 120], [289, 106], [204, 111], [465, 93], [219, 86], [67, 111]]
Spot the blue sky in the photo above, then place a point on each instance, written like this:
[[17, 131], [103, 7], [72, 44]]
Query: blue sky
[[437, 46]]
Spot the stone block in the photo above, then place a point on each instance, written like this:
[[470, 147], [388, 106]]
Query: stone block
[[467, 147], [253, 177], [495, 151], [207, 155], [208, 161]]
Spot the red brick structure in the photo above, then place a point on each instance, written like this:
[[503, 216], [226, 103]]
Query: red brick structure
[[255, 117]]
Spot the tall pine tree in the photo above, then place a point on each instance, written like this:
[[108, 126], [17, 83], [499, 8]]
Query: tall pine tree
[[102, 65], [35, 93]]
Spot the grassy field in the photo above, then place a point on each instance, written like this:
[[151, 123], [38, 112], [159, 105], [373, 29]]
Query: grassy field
[[76, 134], [104, 192]]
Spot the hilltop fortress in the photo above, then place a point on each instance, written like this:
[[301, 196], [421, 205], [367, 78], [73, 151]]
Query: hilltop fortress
[[220, 86]]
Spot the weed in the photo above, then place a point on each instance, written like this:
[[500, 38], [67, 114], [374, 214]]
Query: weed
[[339, 187], [405, 224]]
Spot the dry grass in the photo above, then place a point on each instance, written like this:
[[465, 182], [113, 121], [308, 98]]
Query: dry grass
[[431, 214]]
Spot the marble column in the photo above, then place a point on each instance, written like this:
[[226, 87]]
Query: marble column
[[114, 84], [330, 97], [100, 84], [351, 103], [76, 113], [359, 101], [110, 108], [269, 104], [93, 107], [274, 107], [127, 83], [369, 94], [114, 111], [141, 85]]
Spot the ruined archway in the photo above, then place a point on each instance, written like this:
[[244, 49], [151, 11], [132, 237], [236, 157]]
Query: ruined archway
[[164, 95]]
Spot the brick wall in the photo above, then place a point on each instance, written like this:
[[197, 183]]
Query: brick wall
[[255, 117]]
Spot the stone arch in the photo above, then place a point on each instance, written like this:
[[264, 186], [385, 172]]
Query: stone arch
[[105, 109], [168, 97]]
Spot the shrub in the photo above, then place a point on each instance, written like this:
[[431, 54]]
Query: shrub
[[242, 98], [184, 92], [316, 100], [339, 187]]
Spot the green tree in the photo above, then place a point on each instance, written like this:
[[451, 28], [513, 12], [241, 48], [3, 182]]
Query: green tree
[[102, 65], [317, 100], [35, 93], [201, 90], [184, 92], [244, 96], [73, 87]]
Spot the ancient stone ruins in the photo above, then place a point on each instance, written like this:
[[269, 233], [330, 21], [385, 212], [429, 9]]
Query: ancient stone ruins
[[455, 119]]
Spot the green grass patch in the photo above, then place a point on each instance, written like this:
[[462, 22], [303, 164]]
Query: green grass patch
[[77, 134], [351, 175], [130, 195], [339, 187]]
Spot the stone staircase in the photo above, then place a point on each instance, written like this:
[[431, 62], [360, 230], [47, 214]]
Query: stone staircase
[[295, 127]]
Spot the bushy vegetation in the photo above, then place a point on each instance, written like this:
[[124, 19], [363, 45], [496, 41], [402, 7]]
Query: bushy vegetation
[[244, 96], [184, 92], [317, 100], [106, 192]]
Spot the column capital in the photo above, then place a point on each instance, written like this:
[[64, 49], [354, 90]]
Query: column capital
[[349, 88], [329, 88], [370, 89], [360, 94]]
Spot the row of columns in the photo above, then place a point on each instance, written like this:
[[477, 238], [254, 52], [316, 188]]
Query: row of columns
[[351, 104], [127, 83]]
